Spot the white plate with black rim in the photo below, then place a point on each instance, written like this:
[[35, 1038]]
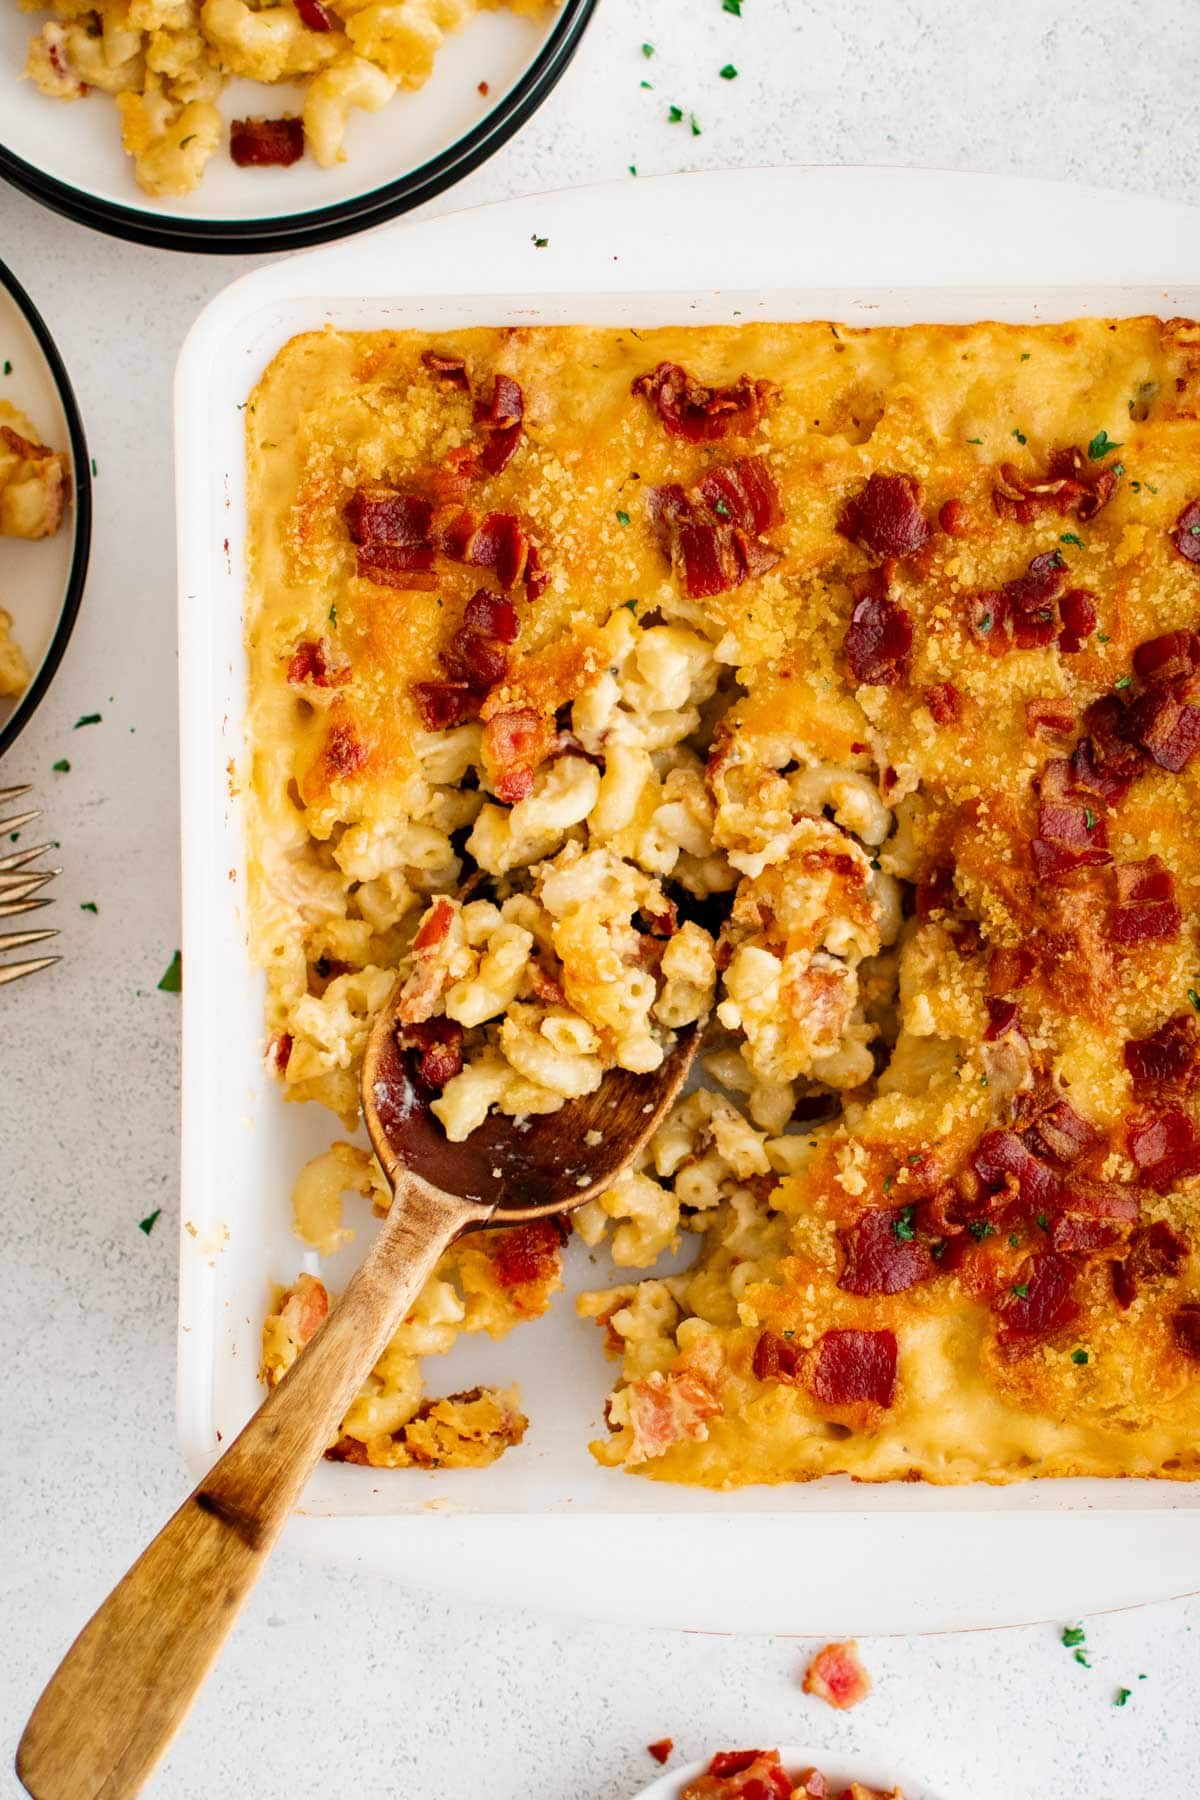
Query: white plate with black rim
[[41, 581], [68, 155]]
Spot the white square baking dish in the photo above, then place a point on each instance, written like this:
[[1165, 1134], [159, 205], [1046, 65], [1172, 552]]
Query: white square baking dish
[[546, 1525]]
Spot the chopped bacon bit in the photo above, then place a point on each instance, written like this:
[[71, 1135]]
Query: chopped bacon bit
[[837, 1676], [1000, 1155], [1058, 1131], [515, 743], [506, 406], [1186, 534], [1100, 1199], [496, 541], [1105, 763], [852, 1366], [544, 986], [1002, 1016], [709, 536], [955, 519], [1074, 1234], [663, 1409], [447, 367], [527, 1255], [304, 1307], [1164, 1145], [279, 1052], [1055, 717], [1009, 969], [1040, 1301], [435, 926], [382, 516], [537, 577], [1168, 1058], [1166, 728], [1155, 1251], [492, 616], [1173, 657], [345, 752], [1077, 609], [314, 15], [258, 143], [775, 1359], [886, 517], [878, 1261], [878, 641], [311, 665], [477, 655], [661, 1749], [1146, 910], [702, 414], [443, 704], [438, 1046], [1185, 1325], [1072, 483], [709, 558], [945, 703], [397, 565], [745, 493], [1070, 833]]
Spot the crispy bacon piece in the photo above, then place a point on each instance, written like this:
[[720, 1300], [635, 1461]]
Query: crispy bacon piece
[[435, 926], [477, 655], [311, 665], [1172, 657], [1056, 717], [955, 519], [397, 565], [1186, 533], [700, 414], [878, 1261], [945, 703], [1071, 834], [1168, 1059], [1010, 968], [515, 743], [314, 15], [1146, 910], [500, 417], [1002, 1016], [1185, 1328], [886, 517], [497, 540], [1001, 1158], [447, 367], [1040, 1300], [1164, 1146], [854, 1366], [745, 493], [741, 1775], [1077, 609], [1052, 1128], [1104, 763], [438, 1047], [878, 642], [384, 516], [345, 752], [661, 1749], [528, 1255], [1164, 726], [1155, 1251], [837, 1676], [259, 143], [304, 1307], [775, 1358], [664, 1409], [1075, 1234], [279, 1053], [443, 704], [1072, 484]]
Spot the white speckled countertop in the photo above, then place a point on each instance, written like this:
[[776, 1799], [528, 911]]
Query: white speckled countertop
[[334, 1685]]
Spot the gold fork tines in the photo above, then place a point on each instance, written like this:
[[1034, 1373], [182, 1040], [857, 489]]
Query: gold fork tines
[[19, 884]]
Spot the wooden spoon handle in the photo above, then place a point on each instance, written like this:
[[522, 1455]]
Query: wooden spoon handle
[[125, 1685]]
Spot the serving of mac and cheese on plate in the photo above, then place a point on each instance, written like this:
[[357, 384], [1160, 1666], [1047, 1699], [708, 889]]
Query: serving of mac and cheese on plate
[[839, 687]]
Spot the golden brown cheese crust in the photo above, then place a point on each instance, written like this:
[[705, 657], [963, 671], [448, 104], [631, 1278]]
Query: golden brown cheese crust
[[948, 406]]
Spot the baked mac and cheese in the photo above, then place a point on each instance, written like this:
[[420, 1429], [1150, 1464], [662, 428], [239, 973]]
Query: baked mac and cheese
[[34, 488], [839, 687]]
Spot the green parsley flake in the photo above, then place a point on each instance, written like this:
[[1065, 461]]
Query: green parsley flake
[[1116, 468], [647, 84], [985, 624], [1089, 819], [674, 114], [903, 1229], [1014, 1243], [732, 6], [1121, 1696], [172, 981], [729, 73], [1081, 1659], [913, 1158], [88, 719], [1122, 681], [633, 168], [1043, 1222], [1072, 1635], [632, 605], [721, 508], [622, 517], [1102, 637], [974, 440], [88, 906], [695, 123], [1021, 1290], [1194, 997], [1020, 436], [1025, 355], [189, 139], [1101, 446], [7, 367], [647, 49], [333, 614], [539, 243], [1069, 537], [1079, 1356], [62, 766], [150, 1221]]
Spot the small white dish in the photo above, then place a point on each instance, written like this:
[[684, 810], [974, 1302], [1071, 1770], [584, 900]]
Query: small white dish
[[41, 580], [839, 1767], [69, 156]]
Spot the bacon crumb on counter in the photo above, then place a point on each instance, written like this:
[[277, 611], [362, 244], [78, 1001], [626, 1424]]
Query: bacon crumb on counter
[[837, 1676], [661, 1749]]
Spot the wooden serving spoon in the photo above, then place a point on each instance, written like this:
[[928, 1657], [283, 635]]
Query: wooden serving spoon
[[124, 1687]]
